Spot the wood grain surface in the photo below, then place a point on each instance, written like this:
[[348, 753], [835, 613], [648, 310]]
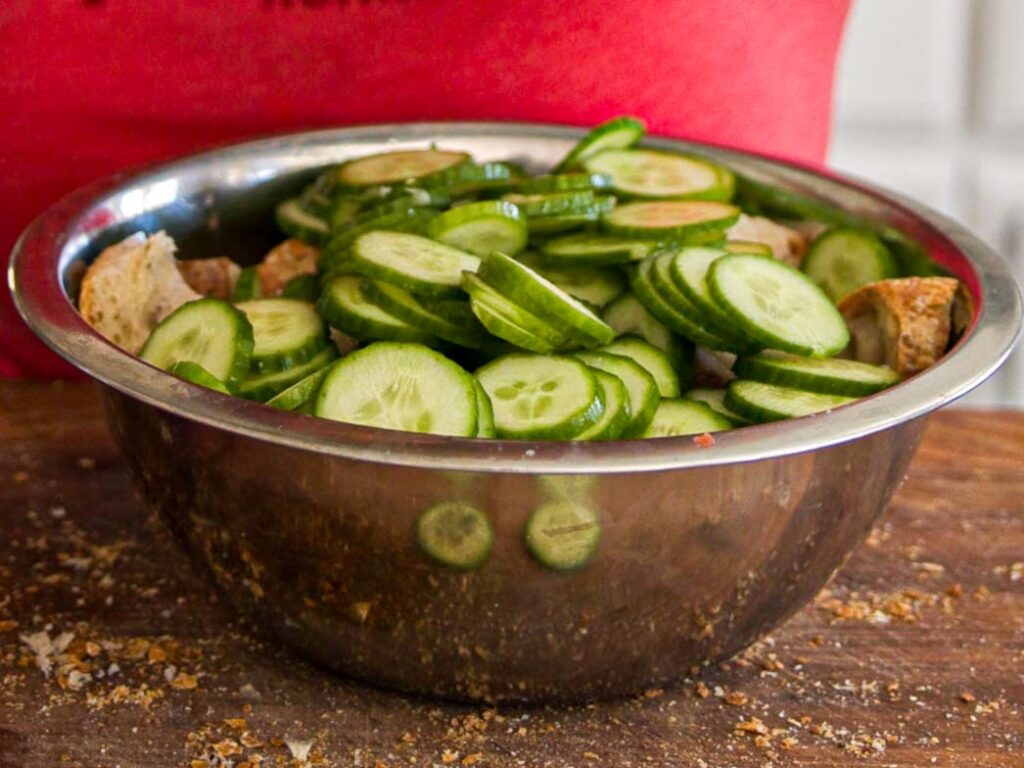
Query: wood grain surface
[[113, 653]]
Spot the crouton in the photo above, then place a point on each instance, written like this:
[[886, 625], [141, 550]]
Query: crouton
[[712, 368], [211, 277], [906, 323], [131, 287], [787, 244], [289, 259]]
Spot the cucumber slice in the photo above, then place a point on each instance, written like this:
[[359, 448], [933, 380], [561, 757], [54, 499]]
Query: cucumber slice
[[539, 296], [590, 250], [777, 305], [641, 388], [484, 412], [685, 417], [563, 182], [715, 399], [472, 178], [400, 386], [338, 250], [650, 358], [829, 376], [344, 306], [552, 203], [304, 287], [501, 325], [247, 286], [617, 133], [746, 246], [457, 324], [842, 260], [672, 219], [595, 285], [562, 535], [479, 228], [264, 386], [629, 317], [286, 332], [194, 373], [484, 297], [678, 313], [616, 416], [299, 394], [209, 332], [540, 397], [415, 263], [455, 535], [342, 211], [686, 271], [652, 173], [758, 402], [296, 221], [548, 225], [420, 166]]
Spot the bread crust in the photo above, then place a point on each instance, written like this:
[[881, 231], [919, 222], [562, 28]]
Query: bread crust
[[787, 244], [215, 277], [905, 323], [132, 286], [290, 259]]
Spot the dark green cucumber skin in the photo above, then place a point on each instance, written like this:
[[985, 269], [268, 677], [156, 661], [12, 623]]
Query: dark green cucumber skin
[[757, 414], [775, 372], [247, 287], [337, 315], [264, 386], [304, 287], [299, 394], [194, 373]]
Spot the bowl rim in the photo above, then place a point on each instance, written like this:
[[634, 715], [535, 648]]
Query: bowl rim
[[45, 250]]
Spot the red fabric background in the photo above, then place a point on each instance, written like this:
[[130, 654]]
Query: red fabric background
[[92, 86]]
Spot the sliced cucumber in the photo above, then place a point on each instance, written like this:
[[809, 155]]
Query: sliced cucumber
[[629, 317], [247, 286], [196, 374], [595, 285], [209, 332], [676, 313], [842, 260], [652, 173], [777, 305], [484, 412], [617, 133], [415, 263], [715, 399], [479, 228], [587, 249], [483, 295], [651, 358], [304, 287], [473, 178], [338, 250], [342, 211], [562, 182], [686, 271], [400, 386], [502, 325], [539, 296], [563, 535], [419, 166], [299, 394], [539, 397], [615, 417], [455, 535], [344, 306], [641, 388], [264, 386], [551, 203], [685, 417], [684, 220], [296, 221], [551, 225], [746, 246], [450, 320], [830, 376], [757, 401], [286, 332]]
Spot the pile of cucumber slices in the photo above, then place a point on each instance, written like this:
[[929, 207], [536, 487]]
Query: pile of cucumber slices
[[577, 298]]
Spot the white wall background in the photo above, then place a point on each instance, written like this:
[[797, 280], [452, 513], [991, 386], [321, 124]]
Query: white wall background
[[930, 101]]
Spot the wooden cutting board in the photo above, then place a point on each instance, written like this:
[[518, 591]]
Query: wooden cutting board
[[112, 653]]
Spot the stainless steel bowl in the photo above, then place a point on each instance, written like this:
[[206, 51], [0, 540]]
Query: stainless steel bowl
[[308, 524]]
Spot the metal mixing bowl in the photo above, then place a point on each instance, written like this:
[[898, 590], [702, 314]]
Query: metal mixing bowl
[[308, 525]]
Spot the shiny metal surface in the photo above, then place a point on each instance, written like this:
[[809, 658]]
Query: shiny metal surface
[[308, 524]]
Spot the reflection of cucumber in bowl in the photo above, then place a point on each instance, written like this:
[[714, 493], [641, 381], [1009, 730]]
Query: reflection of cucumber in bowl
[[692, 303]]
